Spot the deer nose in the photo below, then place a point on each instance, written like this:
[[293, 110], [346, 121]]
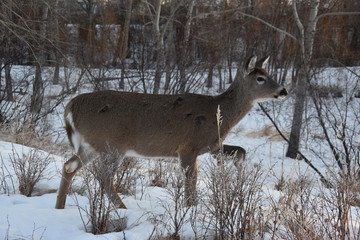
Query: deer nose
[[283, 92]]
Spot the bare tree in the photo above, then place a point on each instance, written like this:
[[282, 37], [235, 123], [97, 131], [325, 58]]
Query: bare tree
[[123, 40], [185, 45], [159, 30], [306, 41], [158, 34], [55, 23], [170, 48], [7, 36], [8, 83], [38, 88]]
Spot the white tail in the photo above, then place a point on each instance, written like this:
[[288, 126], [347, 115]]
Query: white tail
[[148, 125]]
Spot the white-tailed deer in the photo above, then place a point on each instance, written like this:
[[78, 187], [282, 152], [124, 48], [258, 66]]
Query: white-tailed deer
[[165, 126]]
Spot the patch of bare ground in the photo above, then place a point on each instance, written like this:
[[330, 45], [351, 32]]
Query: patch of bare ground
[[267, 131], [30, 138]]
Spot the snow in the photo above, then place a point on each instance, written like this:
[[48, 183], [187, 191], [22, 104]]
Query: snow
[[36, 218]]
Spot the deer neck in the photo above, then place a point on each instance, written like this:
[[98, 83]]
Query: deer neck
[[234, 104]]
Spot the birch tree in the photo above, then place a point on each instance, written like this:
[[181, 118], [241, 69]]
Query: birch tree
[[306, 38], [306, 42], [159, 31]]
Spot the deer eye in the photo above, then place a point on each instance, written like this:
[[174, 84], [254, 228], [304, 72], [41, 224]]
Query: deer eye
[[260, 80]]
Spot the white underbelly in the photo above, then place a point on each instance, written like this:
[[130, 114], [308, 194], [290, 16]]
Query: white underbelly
[[132, 153]]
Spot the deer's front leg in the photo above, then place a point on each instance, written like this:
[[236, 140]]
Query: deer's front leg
[[188, 163]]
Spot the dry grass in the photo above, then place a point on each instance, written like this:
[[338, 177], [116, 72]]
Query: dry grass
[[267, 131], [30, 138]]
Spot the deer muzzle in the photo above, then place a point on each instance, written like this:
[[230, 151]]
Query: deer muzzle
[[283, 92]]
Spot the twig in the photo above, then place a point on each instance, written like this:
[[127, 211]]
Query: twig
[[306, 160]]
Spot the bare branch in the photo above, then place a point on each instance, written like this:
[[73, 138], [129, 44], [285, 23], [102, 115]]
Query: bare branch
[[297, 20], [307, 161], [215, 13], [336, 14], [270, 25]]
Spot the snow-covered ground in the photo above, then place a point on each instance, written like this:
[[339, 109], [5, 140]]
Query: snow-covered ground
[[36, 218]]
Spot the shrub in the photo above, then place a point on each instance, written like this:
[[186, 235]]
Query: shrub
[[102, 215], [233, 204], [29, 168]]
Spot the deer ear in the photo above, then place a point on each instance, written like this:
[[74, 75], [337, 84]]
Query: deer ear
[[262, 63], [251, 63]]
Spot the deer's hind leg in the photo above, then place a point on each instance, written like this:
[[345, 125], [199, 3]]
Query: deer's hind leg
[[69, 170], [104, 173]]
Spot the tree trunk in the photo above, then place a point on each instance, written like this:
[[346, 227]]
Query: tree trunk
[[169, 58], [122, 76], [56, 41], [306, 41], [300, 95], [170, 50], [159, 68], [184, 47], [159, 55], [220, 79], [1, 68], [125, 39], [8, 83], [230, 80], [7, 58], [56, 70], [209, 82], [38, 93], [38, 88]]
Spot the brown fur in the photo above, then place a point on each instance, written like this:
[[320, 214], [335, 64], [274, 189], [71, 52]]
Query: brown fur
[[183, 125]]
